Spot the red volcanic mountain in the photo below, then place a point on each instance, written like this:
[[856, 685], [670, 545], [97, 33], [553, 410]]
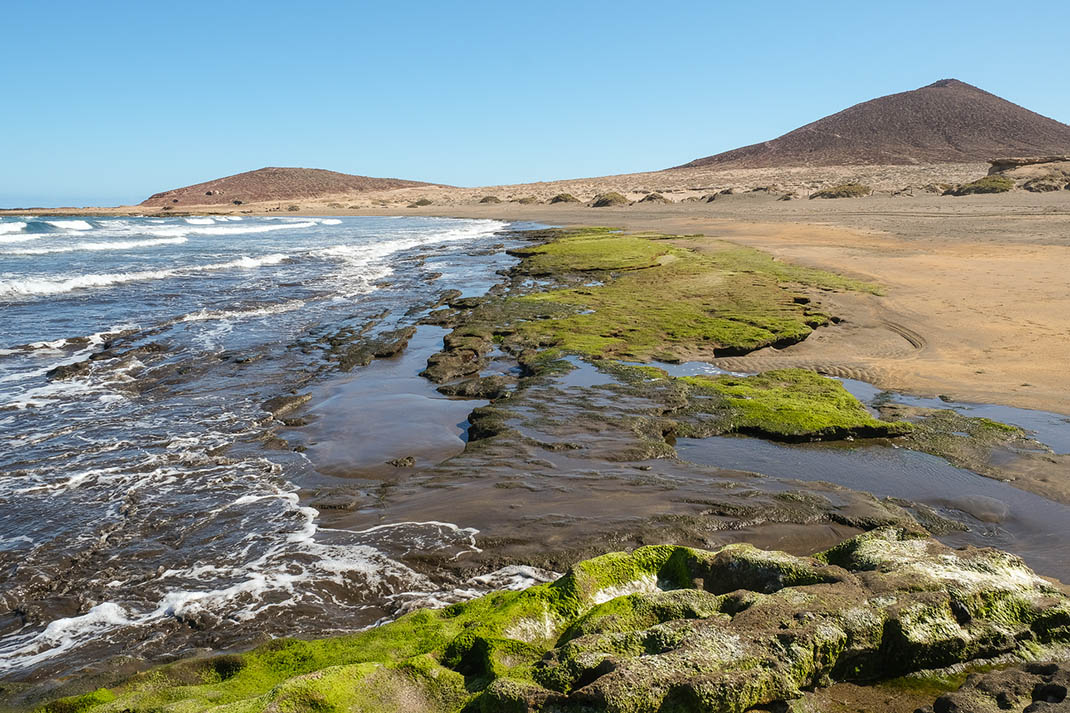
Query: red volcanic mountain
[[274, 184], [945, 122]]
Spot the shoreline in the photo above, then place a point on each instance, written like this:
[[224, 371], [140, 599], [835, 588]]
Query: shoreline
[[945, 325]]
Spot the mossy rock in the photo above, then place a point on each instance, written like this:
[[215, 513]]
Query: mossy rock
[[843, 190], [490, 199], [988, 184], [662, 628], [526, 200], [564, 198], [654, 198], [791, 405], [421, 202], [607, 200], [638, 297]]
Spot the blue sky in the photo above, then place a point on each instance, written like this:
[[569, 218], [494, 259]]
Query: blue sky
[[107, 102]]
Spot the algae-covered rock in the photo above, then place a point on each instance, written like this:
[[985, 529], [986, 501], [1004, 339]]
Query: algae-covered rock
[[564, 198], [491, 387], [965, 441], [279, 406], [1034, 687], [785, 405], [662, 628]]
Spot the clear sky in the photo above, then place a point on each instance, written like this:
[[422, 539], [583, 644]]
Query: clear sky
[[106, 102]]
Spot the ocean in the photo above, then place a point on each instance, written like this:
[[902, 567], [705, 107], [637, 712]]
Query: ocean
[[146, 508]]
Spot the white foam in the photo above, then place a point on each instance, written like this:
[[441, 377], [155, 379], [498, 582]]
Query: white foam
[[62, 635], [41, 286], [208, 314], [109, 245], [6, 228], [330, 221], [200, 221], [70, 224], [10, 543]]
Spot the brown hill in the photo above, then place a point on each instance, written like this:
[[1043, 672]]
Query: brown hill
[[946, 122], [274, 184]]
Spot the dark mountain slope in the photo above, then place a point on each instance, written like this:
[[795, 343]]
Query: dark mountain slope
[[945, 122], [274, 184]]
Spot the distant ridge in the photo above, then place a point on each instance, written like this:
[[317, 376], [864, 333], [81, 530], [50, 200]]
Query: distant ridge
[[274, 184], [945, 122]]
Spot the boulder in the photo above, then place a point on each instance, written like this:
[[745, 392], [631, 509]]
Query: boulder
[[490, 387], [1033, 687], [281, 405]]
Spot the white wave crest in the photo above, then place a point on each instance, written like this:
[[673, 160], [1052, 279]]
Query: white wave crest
[[229, 230], [8, 228], [200, 221], [38, 286], [330, 221], [70, 224], [112, 245]]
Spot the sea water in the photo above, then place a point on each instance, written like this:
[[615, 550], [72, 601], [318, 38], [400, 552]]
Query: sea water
[[140, 511]]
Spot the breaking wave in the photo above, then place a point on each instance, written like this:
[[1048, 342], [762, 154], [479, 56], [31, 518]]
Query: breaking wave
[[112, 245], [32, 286], [70, 224], [231, 230]]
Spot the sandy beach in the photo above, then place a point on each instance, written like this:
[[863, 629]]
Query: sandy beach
[[975, 293]]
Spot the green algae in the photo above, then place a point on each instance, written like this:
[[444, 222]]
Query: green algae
[[657, 300], [77, 704], [793, 404], [682, 306], [590, 252], [609, 295]]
